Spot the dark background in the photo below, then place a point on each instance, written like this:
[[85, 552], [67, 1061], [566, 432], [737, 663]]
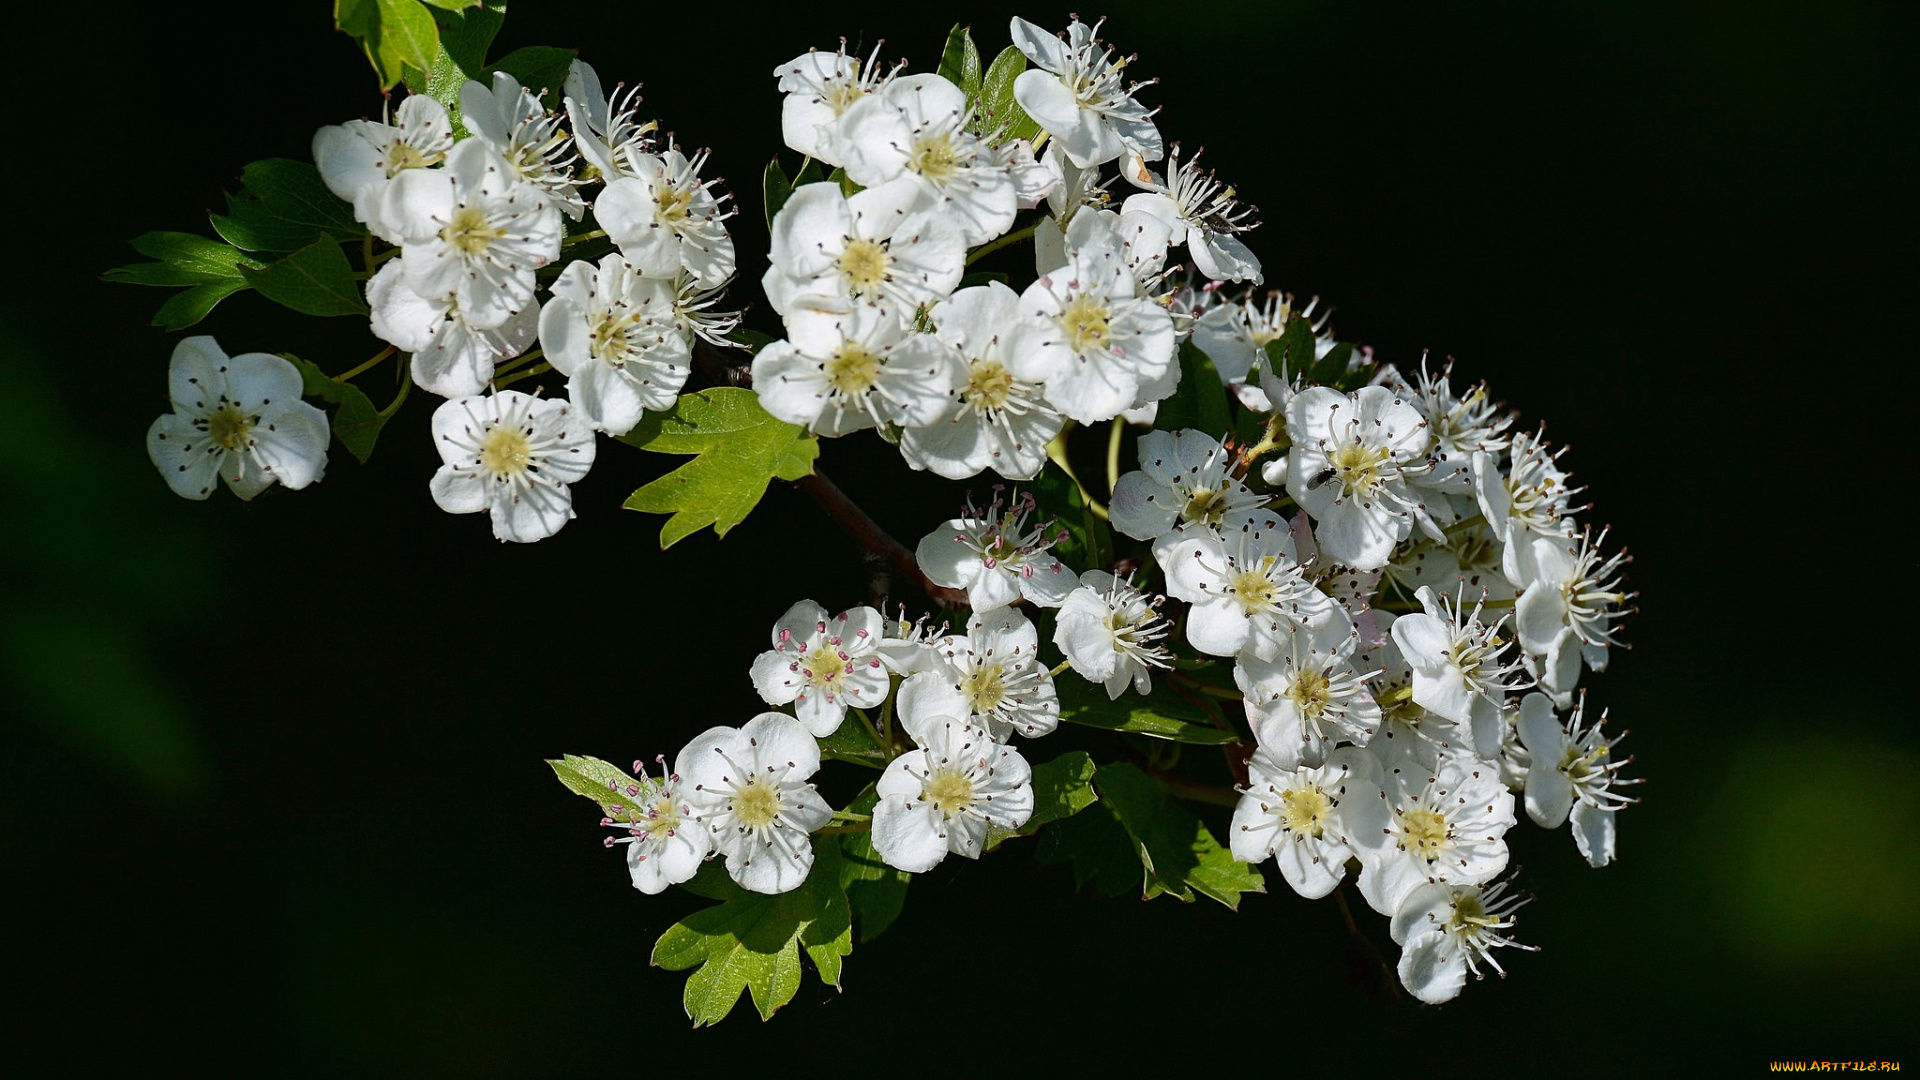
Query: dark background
[[273, 783]]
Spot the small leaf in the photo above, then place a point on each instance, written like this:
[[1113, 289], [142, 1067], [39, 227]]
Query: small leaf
[[1089, 541], [604, 783], [998, 109], [209, 269], [1201, 398], [540, 68], [356, 423], [408, 33], [316, 280], [1290, 354], [810, 173], [1062, 787], [754, 340], [752, 942], [1097, 845], [1180, 855], [283, 205], [453, 5], [876, 892], [1164, 716], [776, 189], [960, 61], [740, 449], [853, 741], [187, 308], [847, 186]]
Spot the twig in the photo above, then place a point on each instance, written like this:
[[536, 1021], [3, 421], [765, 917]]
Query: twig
[[872, 538]]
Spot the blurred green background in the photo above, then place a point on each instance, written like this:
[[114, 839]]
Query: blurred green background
[[274, 789]]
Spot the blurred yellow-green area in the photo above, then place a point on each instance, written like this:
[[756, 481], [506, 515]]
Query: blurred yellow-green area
[[274, 778]]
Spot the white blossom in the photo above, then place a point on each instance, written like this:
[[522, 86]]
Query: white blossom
[[990, 676], [1002, 421], [1458, 672], [1307, 698], [606, 130], [913, 137], [820, 88], [1572, 768], [823, 665], [831, 251], [1185, 481], [451, 357], [1104, 342], [748, 786], [947, 794], [512, 455], [1348, 466], [1445, 931], [510, 118], [1446, 826], [994, 556], [665, 843], [358, 159], [239, 418], [614, 334], [1109, 631], [1248, 593], [1201, 213], [839, 372], [1305, 817], [1077, 95], [664, 217]]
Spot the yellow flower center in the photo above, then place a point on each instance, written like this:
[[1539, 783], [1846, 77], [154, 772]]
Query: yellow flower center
[[949, 791], [1311, 691], [853, 370], [609, 341], [756, 804], [989, 385], [865, 265], [933, 157], [984, 687], [469, 231], [1085, 320], [1253, 588], [670, 203], [229, 427], [825, 664], [506, 451], [1204, 507], [1426, 833], [401, 157], [1357, 466], [1304, 811]]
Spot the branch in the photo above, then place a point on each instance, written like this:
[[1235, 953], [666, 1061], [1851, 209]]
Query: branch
[[880, 547]]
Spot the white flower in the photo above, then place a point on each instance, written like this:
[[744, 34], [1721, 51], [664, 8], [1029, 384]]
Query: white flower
[[908, 648], [1457, 670], [1532, 496], [605, 130], [510, 119], [1104, 342], [1307, 698], [1461, 426], [473, 232], [1201, 213], [665, 843], [1407, 734], [1447, 930], [991, 554], [913, 137], [1574, 591], [840, 372], [991, 676], [358, 159], [1078, 96], [693, 312], [1235, 336], [451, 356], [1572, 768], [820, 88], [1185, 481], [946, 795], [1107, 630], [1304, 817], [512, 455], [614, 335], [831, 252], [1348, 467], [663, 217], [240, 418], [1466, 563], [1003, 421], [823, 665], [1249, 596], [748, 787], [1446, 826]]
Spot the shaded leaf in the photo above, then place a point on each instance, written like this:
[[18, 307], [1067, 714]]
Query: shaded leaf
[[1089, 542], [1180, 855], [1098, 847], [998, 109], [408, 33], [1061, 788], [283, 205], [1200, 401], [208, 268], [356, 423], [853, 741], [875, 891], [540, 68], [1164, 716], [960, 61], [185, 309], [316, 280], [740, 449], [775, 189]]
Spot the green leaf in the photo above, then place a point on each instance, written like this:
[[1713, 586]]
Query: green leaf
[[775, 189], [453, 5], [740, 449], [1201, 399], [408, 33], [283, 205], [316, 280], [853, 741], [875, 891], [998, 109], [466, 30], [540, 68], [810, 173], [754, 340], [356, 423], [1089, 541], [847, 186], [1291, 353], [208, 268], [752, 942], [960, 61], [1097, 845], [1180, 855], [1331, 369], [1164, 716], [604, 783], [1062, 787]]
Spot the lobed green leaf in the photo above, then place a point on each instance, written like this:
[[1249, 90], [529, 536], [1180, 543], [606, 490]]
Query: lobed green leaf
[[316, 280], [283, 205], [356, 423], [740, 450], [1097, 846], [1180, 855], [1163, 716], [209, 269]]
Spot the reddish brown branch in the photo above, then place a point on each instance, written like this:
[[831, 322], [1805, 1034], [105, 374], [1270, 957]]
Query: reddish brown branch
[[879, 545]]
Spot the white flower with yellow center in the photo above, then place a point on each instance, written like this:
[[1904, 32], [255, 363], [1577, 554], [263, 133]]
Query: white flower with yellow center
[[993, 555], [614, 334], [1078, 96], [820, 88], [1350, 460], [1305, 817], [1446, 931], [1185, 482], [664, 217], [1569, 610], [238, 418], [1307, 698], [823, 665], [1104, 343], [665, 843], [910, 143], [1446, 825], [946, 795], [358, 159], [1003, 421], [839, 372], [473, 232], [607, 129], [1531, 497], [832, 252], [990, 676], [512, 455], [1407, 734], [1461, 425], [451, 356], [1110, 632], [1572, 768], [1201, 213], [1458, 672], [1235, 336], [1249, 596], [510, 118], [1466, 563], [748, 786]]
